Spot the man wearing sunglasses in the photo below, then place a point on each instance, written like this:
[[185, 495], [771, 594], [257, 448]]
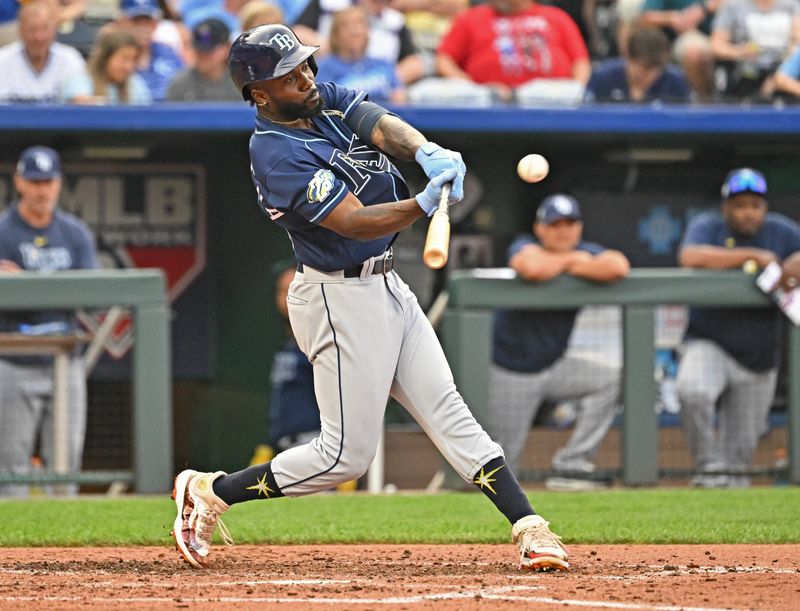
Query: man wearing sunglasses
[[729, 361]]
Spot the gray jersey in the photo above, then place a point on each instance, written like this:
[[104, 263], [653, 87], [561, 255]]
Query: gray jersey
[[191, 86]]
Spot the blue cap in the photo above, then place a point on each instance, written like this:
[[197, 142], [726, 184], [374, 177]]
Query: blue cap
[[210, 33], [140, 8], [39, 163], [744, 180], [557, 207]]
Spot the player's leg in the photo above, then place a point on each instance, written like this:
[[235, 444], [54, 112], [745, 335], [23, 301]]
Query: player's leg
[[76, 419], [742, 417], [424, 386], [352, 331], [20, 414], [596, 385], [514, 399], [701, 380]]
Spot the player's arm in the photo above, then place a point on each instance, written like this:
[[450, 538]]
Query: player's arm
[[607, 266], [9, 267], [719, 257], [353, 220], [535, 264]]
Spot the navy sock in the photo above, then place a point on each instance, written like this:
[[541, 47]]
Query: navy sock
[[498, 482], [247, 485]]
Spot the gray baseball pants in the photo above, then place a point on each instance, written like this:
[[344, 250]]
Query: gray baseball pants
[[26, 414], [711, 381], [367, 339], [514, 400]]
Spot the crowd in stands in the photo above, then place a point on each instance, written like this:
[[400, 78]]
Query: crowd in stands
[[452, 52]]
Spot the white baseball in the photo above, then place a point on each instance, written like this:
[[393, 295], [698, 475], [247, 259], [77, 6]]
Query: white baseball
[[533, 168]]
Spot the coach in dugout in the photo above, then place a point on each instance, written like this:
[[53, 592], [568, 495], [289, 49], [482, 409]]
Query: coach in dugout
[[729, 360], [531, 363], [36, 237]]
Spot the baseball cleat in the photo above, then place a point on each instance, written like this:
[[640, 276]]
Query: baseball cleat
[[198, 516], [539, 549]]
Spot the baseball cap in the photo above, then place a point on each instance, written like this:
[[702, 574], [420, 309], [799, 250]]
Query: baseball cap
[[556, 207], [39, 163], [744, 180], [140, 8], [210, 33]]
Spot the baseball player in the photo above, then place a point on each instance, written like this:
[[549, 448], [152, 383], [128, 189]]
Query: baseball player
[[729, 360], [320, 165], [35, 236], [530, 359]]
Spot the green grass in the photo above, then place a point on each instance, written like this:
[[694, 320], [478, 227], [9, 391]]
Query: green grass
[[760, 515]]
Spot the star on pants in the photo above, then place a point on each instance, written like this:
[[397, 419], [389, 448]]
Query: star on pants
[[485, 479]]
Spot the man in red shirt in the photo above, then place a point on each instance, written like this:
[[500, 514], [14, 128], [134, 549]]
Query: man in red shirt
[[506, 43]]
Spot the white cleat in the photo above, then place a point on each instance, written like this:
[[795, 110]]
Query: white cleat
[[198, 515], [539, 549]]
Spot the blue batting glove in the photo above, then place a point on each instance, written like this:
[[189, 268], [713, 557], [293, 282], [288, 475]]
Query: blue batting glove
[[434, 160], [428, 200]]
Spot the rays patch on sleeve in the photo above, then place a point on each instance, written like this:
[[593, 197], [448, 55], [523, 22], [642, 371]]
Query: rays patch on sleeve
[[320, 186]]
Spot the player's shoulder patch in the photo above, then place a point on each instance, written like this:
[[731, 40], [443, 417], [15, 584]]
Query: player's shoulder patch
[[320, 186]]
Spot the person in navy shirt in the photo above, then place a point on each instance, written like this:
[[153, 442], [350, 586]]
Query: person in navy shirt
[[729, 360], [319, 158], [531, 363], [644, 76], [37, 237]]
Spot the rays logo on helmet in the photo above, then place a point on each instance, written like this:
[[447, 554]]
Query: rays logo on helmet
[[283, 41], [320, 186]]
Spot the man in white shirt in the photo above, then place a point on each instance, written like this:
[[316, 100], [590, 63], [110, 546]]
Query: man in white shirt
[[35, 66]]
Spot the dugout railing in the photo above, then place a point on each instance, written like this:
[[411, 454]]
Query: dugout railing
[[467, 335], [143, 293]]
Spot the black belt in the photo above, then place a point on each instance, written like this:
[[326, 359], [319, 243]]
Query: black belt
[[381, 266]]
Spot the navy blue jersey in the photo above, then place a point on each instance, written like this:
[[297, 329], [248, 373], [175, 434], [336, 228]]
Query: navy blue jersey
[[529, 341], [301, 175], [751, 336], [293, 405]]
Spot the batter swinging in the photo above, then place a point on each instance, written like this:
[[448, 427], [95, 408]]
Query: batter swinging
[[320, 168]]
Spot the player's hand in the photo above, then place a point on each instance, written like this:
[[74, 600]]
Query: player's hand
[[435, 160], [428, 200]]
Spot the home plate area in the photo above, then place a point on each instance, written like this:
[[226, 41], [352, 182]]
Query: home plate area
[[652, 577]]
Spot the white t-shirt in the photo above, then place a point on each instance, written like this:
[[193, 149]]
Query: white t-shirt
[[21, 83]]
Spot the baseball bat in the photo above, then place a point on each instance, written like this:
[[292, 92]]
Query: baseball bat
[[437, 242]]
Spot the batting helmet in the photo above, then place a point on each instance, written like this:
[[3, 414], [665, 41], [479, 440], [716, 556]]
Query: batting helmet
[[266, 52]]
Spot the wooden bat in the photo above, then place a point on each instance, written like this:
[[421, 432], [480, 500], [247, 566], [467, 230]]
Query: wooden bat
[[437, 243]]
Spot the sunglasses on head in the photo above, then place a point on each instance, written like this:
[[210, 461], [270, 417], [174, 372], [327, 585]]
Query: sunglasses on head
[[745, 181]]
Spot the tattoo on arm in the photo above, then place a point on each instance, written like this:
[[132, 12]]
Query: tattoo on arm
[[397, 138]]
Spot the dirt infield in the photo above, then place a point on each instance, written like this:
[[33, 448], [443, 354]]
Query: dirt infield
[[402, 577]]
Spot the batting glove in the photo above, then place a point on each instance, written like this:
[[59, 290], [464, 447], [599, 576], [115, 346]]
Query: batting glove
[[428, 200], [435, 160]]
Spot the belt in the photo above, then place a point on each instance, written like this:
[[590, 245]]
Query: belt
[[380, 266]]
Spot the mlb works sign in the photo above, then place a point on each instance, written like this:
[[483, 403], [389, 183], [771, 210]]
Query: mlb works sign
[[143, 215]]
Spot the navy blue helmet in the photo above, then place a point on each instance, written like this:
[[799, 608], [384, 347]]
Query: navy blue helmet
[[266, 52]]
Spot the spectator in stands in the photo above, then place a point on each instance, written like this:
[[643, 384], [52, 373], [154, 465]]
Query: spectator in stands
[[158, 63], [34, 68], [530, 359], [172, 32], [36, 237], [688, 23], [111, 77], [208, 79], [787, 78], [753, 37], [66, 10], [644, 76], [729, 360], [348, 64], [427, 22], [258, 12], [389, 38], [506, 43]]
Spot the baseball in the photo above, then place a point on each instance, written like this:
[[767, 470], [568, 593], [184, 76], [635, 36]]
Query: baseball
[[533, 168]]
